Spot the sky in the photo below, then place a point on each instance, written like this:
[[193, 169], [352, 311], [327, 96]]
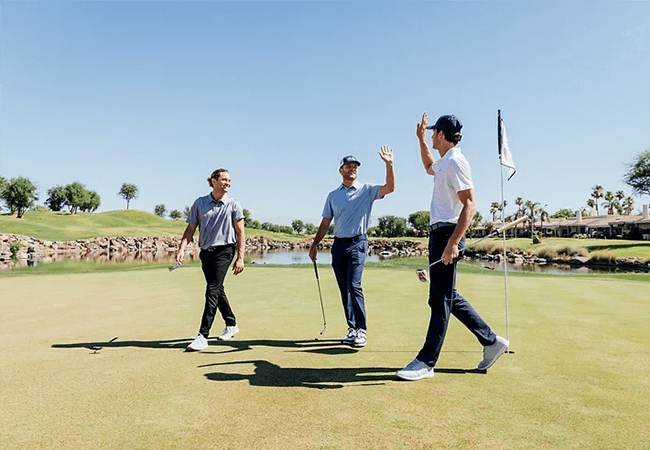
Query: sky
[[160, 94]]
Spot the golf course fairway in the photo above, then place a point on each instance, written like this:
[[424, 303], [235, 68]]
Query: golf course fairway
[[97, 361]]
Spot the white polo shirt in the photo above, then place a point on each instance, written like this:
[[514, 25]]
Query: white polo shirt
[[452, 174]]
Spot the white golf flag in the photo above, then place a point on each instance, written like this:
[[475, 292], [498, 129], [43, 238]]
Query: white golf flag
[[504, 150]]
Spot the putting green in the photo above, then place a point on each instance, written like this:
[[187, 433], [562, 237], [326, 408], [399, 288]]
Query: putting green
[[577, 380]]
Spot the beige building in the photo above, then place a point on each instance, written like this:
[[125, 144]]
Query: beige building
[[592, 226]]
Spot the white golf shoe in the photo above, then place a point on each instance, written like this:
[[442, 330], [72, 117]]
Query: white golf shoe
[[492, 352], [360, 340], [349, 339], [228, 333], [199, 343], [415, 370]]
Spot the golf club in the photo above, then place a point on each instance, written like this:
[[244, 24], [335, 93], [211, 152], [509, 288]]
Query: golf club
[[320, 294], [422, 273]]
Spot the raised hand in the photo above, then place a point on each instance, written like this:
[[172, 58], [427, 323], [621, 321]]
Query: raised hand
[[421, 131], [386, 154]]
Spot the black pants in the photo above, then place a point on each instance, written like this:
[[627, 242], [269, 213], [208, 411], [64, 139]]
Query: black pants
[[444, 299], [215, 264]]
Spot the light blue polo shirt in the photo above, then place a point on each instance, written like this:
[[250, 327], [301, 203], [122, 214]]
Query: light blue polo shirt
[[215, 220], [350, 208]]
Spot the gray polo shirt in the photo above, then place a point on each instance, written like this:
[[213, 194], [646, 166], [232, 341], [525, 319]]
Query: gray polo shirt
[[215, 220], [350, 208]]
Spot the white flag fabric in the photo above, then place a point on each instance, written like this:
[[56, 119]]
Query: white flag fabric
[[504, 151]]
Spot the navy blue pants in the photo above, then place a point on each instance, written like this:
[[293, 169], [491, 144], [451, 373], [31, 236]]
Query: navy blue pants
[[348, 259], [215, 264], [444, 299]]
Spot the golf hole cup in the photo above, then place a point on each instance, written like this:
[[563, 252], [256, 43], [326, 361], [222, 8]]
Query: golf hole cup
[[422, 275]]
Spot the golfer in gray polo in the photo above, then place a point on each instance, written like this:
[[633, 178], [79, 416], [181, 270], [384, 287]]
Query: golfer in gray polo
[[220, 220], [349, 206]]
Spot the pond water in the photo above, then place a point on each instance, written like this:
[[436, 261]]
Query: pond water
[[302, 257], [298, 257]]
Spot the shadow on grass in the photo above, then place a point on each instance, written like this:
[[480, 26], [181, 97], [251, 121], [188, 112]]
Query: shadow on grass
[[613, 246], [325, 347], [272, 375]]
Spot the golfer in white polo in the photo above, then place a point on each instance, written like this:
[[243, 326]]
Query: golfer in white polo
[[452, 210]]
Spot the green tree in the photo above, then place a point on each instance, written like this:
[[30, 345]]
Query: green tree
[[310, 228], [420, 221], [160, 210], [128, 192], [55, 198], [564, 213], [76, 195], [186, 212], [174, 214], [392, 226], [91, 202], [637, 175], [298, 226], [3, 185], [19, 195]]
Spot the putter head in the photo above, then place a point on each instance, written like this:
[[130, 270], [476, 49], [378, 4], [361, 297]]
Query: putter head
[[174, 266], [422, 275], [321, 333]]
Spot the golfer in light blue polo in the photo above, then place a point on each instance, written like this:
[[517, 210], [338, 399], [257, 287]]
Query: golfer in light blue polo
[[349, 206]]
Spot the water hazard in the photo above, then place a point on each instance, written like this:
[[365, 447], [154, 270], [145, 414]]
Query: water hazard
[[288, 257]]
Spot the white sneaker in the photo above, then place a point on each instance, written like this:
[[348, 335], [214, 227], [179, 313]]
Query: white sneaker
[[415, 370], [349, 339], [228, 333], [360, 340], [199, 343], [492, 352]]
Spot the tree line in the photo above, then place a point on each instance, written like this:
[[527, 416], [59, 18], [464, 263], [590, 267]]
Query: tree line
[[20, 194]]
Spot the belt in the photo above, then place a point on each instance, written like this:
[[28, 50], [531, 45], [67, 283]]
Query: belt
[[217, 247], [357, 238], [437, 225]]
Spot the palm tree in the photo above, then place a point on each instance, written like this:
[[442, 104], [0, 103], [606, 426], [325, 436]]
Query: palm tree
[[543, 215], [519, 202], [494, 208], [596, 193], [591, 203], [531, 209], [611, 203], [628, 205]]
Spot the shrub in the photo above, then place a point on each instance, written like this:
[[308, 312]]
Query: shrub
[[572, 251], [15, 248], [547, 253], [603, 257]]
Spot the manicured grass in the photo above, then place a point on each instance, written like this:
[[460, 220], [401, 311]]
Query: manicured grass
[[63, 226], [577, 380]]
